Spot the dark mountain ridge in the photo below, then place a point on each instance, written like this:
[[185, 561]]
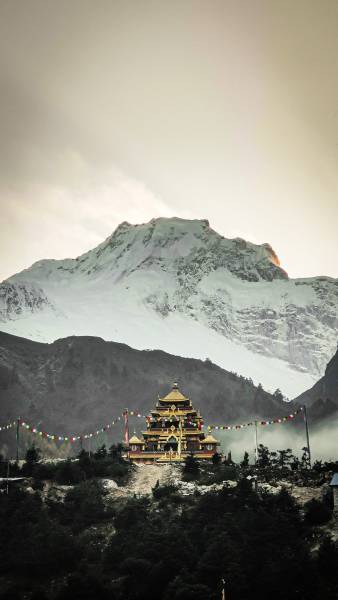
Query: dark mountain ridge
[[322, 398], [76, 384]]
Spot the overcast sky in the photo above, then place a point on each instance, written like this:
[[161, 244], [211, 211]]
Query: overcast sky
[[114, 111]]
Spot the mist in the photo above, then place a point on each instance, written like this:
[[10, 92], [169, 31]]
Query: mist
[[323, 441]]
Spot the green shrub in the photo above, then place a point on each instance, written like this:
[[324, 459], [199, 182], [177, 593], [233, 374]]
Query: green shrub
[[85, 504], [216, 459], [191, 468], [32, 457], [43, 471], [81, 586], [69, 473], [164, 491], [327, 558], [229, 472], [317, 513]]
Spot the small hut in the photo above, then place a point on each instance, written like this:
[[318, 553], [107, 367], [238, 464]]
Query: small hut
[[210, 443], [136, 445]]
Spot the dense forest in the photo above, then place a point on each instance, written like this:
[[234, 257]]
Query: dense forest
[[63, 536]]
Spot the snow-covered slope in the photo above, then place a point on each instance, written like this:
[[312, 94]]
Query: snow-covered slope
[[179, 286]]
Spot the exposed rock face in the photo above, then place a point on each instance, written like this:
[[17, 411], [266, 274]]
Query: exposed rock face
[[21, 300], [178, 285], [79, 383]]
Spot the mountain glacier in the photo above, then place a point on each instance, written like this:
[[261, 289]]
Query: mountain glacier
[[179, 286]]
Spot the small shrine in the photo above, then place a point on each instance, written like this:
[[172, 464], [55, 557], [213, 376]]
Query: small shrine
[[174, 430]]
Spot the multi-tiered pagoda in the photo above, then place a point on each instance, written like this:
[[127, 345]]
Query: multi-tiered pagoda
[[174, 430]]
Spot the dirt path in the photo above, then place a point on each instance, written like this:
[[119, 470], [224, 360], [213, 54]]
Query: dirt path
[[146, 477]]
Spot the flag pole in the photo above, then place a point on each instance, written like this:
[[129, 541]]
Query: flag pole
[[256, 443], [307, 433], [17, 438], [126, 429]]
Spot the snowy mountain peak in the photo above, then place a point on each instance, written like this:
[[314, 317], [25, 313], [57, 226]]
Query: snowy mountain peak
[[168, 244], [178, 285], [273, 256], [166, 240]]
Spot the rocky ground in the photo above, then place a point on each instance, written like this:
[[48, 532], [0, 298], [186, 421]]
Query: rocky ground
[[145, 478]]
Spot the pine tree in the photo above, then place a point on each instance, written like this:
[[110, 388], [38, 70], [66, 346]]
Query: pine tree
[[33, 455], [264, 456], [191, 466], [245, 461], [305, 458], [101, 452], [216, 459]]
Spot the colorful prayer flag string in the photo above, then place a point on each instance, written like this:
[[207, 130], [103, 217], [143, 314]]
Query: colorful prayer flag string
[[260, 423], [76, 437], [133, 413], [8, 426]]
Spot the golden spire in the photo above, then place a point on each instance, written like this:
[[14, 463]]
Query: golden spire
[[175, 395]]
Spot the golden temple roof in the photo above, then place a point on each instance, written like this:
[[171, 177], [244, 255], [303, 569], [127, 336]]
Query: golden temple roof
[[135, 440], [209, 440], [174, 395]]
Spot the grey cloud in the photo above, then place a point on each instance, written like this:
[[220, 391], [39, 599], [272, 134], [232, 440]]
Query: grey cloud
[[223, 110]]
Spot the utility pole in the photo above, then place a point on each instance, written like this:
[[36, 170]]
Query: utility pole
[[17, 438], [7, 486], [256, 443], [307, 434]]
